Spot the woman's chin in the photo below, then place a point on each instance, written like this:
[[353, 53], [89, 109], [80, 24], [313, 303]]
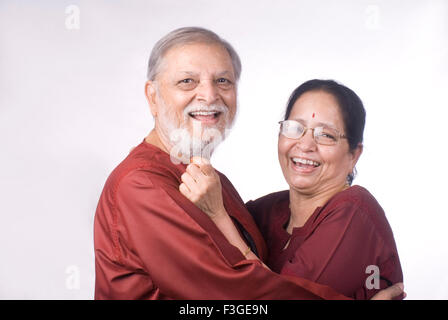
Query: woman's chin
[[302, 185]]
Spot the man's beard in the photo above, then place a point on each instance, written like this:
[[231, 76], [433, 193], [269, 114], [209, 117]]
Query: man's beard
[[203, 139]]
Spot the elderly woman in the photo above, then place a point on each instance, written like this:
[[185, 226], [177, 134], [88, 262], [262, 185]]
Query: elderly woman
[[322, 228]]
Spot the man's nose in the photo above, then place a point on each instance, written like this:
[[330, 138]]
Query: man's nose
[[207, 92]]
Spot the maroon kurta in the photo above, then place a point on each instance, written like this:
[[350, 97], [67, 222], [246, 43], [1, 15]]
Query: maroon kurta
[[153, 243], [336, 244]]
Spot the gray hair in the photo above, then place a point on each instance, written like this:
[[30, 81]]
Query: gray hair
[[185, 36]]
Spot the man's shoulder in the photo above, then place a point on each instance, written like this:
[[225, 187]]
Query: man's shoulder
[[226, 183], [145, 165]]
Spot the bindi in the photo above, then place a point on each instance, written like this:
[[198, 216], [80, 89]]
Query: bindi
[[313, 114]]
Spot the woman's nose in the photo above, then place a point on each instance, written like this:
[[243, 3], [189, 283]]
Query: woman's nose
[[307, 142]]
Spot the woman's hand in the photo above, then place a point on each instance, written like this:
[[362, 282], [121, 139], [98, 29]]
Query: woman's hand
[[202, 186], [391, 293]]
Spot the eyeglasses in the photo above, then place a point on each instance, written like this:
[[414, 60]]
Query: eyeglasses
[[322, 135]]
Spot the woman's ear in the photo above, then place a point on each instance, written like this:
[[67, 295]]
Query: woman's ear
[[356, 154], [151, 93]]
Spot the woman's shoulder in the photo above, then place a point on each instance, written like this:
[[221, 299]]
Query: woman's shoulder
[[269, 200], [359, 204], [358, 196], [269, 207]]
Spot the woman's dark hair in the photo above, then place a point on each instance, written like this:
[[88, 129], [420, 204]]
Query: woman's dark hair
[[350, 106]]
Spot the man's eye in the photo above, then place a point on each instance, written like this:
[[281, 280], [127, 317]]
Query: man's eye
[[187, 84], [186, 81], [224, 83]]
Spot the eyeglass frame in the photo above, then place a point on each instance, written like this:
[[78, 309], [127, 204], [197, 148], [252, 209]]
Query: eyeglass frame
[[339, 135]]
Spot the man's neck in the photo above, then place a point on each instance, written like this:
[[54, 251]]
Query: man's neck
[[154, 139]]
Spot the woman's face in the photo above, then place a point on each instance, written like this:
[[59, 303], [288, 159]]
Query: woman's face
[[331, 164]]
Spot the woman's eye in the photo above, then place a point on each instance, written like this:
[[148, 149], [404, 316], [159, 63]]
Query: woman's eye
[[328, 136], [186, 81]]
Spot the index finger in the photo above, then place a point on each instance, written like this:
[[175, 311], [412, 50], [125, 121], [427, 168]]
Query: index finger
[[207, 169], [203, 164], [199, 160]]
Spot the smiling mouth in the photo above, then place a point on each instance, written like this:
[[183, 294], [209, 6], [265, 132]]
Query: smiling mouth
[[305, 163], [205, 116]]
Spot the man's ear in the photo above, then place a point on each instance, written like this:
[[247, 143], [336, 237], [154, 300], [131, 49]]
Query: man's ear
[[151, 93]]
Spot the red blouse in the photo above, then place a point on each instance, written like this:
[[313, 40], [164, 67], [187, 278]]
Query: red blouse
[[335, 246], [153, 243]]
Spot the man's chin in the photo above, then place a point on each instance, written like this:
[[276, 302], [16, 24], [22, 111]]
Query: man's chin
[[194, 139], [207, 132], [184, 146], [183, 152]]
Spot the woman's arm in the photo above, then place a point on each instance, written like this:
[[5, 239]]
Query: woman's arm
[[202, 186], [342, 246]]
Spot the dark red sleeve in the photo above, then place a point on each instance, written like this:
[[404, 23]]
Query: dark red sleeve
[[340, 249], [148, 247]]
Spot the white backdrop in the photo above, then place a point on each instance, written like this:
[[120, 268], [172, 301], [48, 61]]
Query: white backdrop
[[72, 104]]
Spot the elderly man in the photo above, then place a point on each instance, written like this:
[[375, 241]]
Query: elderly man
[[150, 241]]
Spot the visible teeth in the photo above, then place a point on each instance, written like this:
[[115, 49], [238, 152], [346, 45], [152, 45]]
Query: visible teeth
[[305, 161], [203, 113]]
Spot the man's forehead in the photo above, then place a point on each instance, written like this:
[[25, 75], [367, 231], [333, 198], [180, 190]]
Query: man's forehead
[[185, 58], [223, 73]]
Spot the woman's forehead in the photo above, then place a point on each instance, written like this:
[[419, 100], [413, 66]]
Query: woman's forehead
[[317, 107]]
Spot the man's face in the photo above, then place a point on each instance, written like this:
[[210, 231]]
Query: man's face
[[194, 91]]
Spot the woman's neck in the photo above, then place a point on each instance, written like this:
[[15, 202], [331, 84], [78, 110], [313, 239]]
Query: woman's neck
[[303, 205]]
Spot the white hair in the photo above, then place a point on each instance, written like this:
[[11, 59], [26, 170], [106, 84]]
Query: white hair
[[202, 141], [184, 36]]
